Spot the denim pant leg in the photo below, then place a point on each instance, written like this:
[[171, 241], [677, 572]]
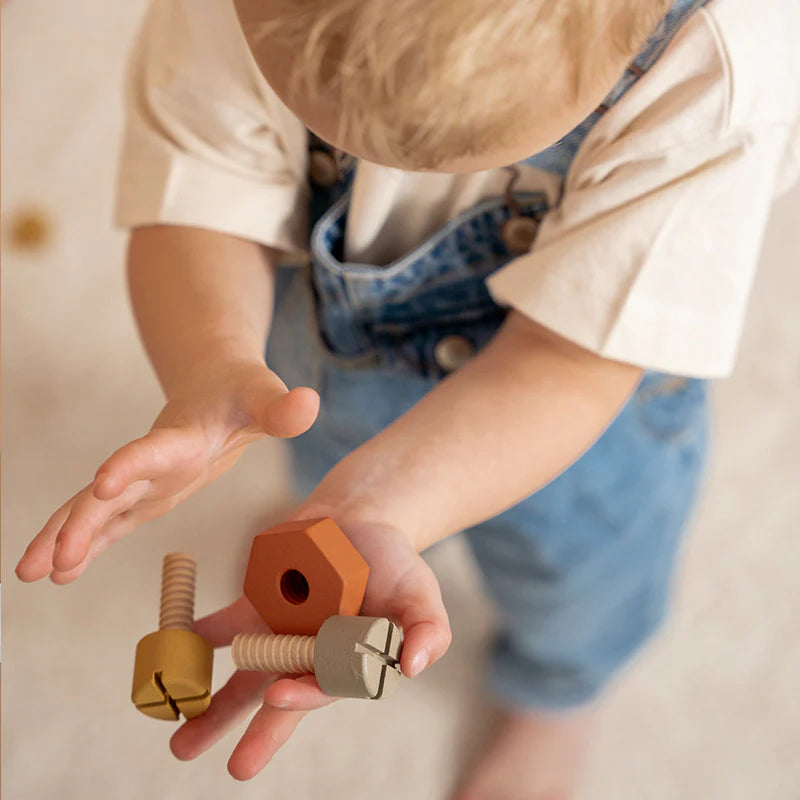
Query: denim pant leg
[[581, 570]]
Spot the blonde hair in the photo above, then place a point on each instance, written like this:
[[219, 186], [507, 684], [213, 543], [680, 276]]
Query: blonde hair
[[426, 80]]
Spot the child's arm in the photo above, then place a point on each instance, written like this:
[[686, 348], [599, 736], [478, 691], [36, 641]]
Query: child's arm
[[501, 427], [198, 295], [498, 429], [203, 302]]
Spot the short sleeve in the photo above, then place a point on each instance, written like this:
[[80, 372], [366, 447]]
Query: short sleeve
[[650, 255], [206, 142]]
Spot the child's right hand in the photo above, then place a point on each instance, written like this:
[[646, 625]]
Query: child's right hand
[[210, 417]]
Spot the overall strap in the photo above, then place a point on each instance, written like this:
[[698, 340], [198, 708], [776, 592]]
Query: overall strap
[[558, 157]]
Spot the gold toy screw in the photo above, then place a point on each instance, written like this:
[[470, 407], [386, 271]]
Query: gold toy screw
[[178, 580], [172, 671]]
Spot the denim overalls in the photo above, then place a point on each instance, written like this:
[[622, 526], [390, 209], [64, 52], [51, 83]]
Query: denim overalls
[[581, 569]]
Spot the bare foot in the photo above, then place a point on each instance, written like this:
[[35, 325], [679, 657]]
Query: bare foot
[[532, 757]]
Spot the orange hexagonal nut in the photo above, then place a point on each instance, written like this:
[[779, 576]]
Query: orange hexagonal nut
[[300, 573]]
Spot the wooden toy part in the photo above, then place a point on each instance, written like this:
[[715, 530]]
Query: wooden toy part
[[350, 656], [173, 666], [301, 573]]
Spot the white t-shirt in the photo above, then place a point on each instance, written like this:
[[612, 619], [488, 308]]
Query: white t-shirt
[[648, 254]]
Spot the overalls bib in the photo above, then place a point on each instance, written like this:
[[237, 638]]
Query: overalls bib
[[580, 570]]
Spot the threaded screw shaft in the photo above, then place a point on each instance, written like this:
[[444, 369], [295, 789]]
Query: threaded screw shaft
[[177, 592], [274, 653]]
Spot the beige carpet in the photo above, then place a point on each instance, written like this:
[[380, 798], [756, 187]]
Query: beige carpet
[[711, 712]]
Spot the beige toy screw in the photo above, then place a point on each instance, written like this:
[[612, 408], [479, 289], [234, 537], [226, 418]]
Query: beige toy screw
[[350, 656], [172, 671]]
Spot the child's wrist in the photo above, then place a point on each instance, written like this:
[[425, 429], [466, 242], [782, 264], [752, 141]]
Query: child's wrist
[[358, 519], [216, 361]]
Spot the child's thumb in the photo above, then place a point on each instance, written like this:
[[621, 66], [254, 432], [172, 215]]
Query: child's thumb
[[287, 414], [426, 628]]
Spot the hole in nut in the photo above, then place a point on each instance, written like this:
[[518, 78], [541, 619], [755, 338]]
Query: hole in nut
[[294, 586]]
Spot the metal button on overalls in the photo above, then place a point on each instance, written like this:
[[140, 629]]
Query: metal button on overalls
[[323, 168], [453, 351], [518, 233]]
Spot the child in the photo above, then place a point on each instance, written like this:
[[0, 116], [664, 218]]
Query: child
[[519, 353]]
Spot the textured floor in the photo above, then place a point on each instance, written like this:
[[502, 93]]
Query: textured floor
[[712, 710]]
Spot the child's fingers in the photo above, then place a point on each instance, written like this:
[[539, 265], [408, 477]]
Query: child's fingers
[[267, 732], [297, 694], [87, 518], [130, 512], [160, 452], [229, 706], [115, 529], [67, 576], [37, 560]]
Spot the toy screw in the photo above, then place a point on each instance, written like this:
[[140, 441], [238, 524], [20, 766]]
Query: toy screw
[[350, 656], [172, 672], [178, 581]]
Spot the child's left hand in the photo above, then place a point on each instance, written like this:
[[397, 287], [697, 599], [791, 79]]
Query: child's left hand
[[401, 586]]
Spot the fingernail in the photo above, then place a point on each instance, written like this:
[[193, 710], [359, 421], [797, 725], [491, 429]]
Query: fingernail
[[419, 663], [281, 704]]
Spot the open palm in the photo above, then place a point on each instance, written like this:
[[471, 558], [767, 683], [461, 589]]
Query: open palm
[[201, 432], [401, 587]]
